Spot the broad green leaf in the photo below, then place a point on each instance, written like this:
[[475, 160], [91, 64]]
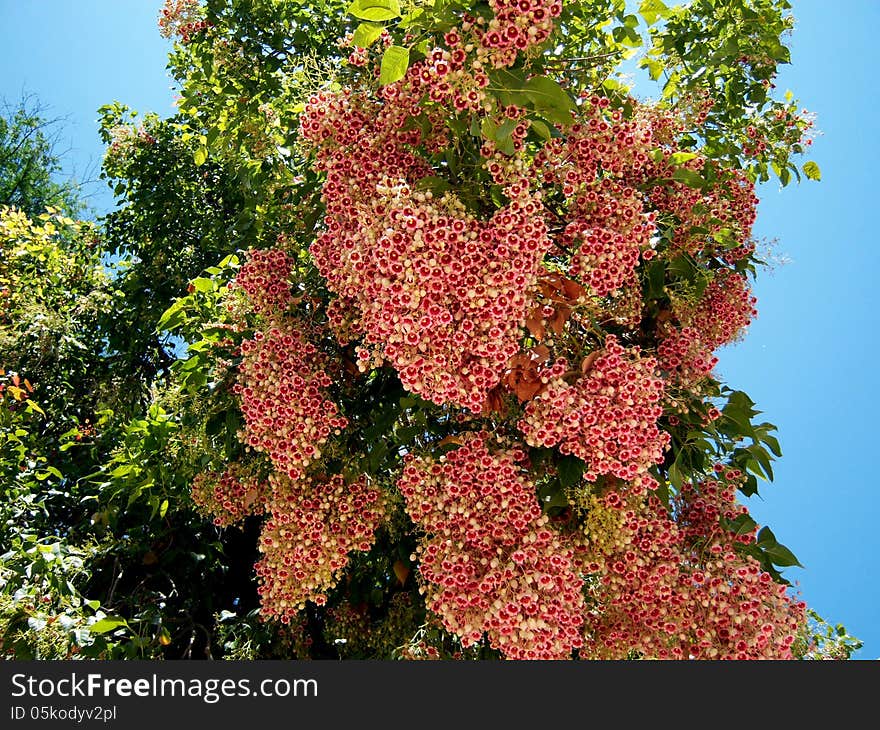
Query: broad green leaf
[[375, 9], [203, 285], [366, 34], [679, 158], [571, 470], [812, 171], [688, 177], [200, 156], [172, 318], [773, 444], [549, 98], [653, 10], [742, 525], [436, 185], [109, 623], [488, 129], [395, 62], [31, 406], [541, 129], [655, 68], [782, 556], [505, 129]]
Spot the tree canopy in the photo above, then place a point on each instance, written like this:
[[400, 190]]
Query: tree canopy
[[399, 343]]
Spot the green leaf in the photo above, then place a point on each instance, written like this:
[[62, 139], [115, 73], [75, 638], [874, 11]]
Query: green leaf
[[679, 158], [172, 318], [688, 177], [812, 171], [50, 471], [31, 406], [782, 556], [375, 9], [570, 469], [395, 62], [366, 33], [436, 185], [200, 156], [202, 284], [653, 10], [109, 623], [655, 68], [541, 129], [742, 525], [488, 129], [773, 444], [549, 98], [766, 538]]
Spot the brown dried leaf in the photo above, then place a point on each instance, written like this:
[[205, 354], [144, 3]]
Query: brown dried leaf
[[559, 318], [401, 570], [451, 439], [525, 391], [540, 354], [587, 362], [535, 325], [573, 290]]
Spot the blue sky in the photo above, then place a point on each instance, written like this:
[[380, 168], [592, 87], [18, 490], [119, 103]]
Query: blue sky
[[807, 360]]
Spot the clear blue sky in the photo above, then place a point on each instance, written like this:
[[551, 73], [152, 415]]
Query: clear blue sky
[[807, 360]]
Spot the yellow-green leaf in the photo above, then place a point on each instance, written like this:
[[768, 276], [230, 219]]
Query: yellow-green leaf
[[365, 34], [395, 62], [812, 171], [375, 9]]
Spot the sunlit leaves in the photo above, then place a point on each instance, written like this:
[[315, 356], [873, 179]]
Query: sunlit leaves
[[549, 99], [376, 10], [395, 62], [366, 34], [812, 171], [653, 10]]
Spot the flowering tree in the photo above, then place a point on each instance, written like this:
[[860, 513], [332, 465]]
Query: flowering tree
[[457, 365]]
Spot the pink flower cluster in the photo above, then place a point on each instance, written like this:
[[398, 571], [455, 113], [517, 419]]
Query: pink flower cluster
[[314, 524], [441, 295], [679, 588], [491, 563], [597, 167], [228, 497], [282, 388], [182, 18], [725, 308], [517, 26], [608, 417], [265, 278]]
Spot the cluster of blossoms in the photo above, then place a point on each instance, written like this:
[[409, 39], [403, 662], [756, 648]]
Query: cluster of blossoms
[[181, 18], [442, 288], [440, 294], [517, 25], [282, 387], [704, 216], [125, 139], [608, 417], [265, 279], [491, 562], [725, 308], [674, 585], [313, 526], [597, 166], [228, 497]]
